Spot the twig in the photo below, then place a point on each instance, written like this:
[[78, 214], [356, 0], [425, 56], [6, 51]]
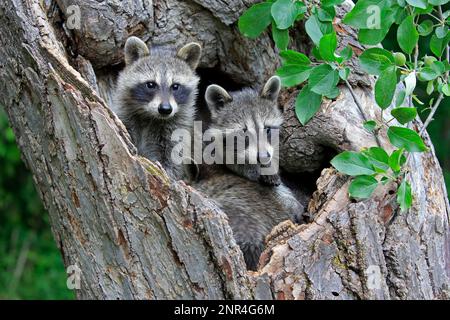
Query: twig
[[21, 262], [432, 112], [359, 105], [438, 100], [441, 95], [436, 103]]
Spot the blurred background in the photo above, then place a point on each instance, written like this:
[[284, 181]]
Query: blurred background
[[30, 264]]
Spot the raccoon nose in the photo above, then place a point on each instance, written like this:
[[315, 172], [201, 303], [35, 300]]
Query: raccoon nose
[[165, 109], [263, 157]]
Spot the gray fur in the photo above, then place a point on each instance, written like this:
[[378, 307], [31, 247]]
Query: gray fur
[[253, 208], [251, 110], [138, 105]]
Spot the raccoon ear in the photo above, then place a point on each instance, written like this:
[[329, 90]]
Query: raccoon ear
[[135, 49], [271, 88], [190, 53], [216, 97]]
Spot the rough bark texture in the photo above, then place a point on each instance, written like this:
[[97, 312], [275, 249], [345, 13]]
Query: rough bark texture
[[136, 234]]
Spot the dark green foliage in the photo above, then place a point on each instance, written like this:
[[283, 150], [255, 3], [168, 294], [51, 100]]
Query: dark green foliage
[[30, 264]]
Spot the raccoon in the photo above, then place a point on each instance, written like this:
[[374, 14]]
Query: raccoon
[[256, 115], [155, 95], [253, 208]]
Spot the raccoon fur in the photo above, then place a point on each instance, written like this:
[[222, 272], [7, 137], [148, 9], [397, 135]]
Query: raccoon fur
[[155, 95], [253, 208], [256, 114]]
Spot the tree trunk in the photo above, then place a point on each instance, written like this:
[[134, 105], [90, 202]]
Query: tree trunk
[[135, 234]]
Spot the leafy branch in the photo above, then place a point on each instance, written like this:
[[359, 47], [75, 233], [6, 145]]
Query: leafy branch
[[320, 78]]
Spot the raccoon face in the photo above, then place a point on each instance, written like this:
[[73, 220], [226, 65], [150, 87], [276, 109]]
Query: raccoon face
[[247, 116], [159, 84]]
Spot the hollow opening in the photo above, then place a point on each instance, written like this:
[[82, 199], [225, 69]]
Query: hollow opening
[[304, 184], [210, 76]]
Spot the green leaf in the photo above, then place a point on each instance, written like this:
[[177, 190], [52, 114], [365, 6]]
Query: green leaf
[[385, 87], [284, 12], [425, 27], [428, 9], [352, 163], [410, 83], [307, 104], [375, 60], [360, 16], [430, 87], [437, 45], [378, 157], [400, 13], [446, 65], [326, 14], [395, 160], [257, 18], [404, 196], [438, 67], [333, 93], [446, 89], [362, 187], [406, 138], [400, 98], [422, 4], [372, 36], [379, 22], [293, 74], [331, 3], [312, 27], [280, 37], [407, 35], [437, 2], [345, 54], [446, 14], [323, 79], [316, 53], [316, 29], [404, 115], [427, 74], [373, 18], [294, 57], [327, 46], [441, 31], [401, 3], [343, 73], [369, 125]]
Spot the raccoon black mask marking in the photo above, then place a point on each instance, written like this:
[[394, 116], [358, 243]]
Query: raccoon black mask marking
[[155, 95], [254, 115]]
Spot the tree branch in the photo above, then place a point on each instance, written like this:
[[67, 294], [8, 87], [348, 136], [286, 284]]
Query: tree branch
[[360, 108]]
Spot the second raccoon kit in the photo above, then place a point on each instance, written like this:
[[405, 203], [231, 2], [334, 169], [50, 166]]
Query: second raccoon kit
[[253, 201]]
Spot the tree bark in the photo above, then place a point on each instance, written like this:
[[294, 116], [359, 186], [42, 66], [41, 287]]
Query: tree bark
[[135, 234]]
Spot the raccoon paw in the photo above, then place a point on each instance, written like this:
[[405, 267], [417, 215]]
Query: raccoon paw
[[270, 180]]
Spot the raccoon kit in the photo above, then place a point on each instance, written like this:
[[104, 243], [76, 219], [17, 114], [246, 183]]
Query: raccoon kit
[[253, 202], [155, 95]]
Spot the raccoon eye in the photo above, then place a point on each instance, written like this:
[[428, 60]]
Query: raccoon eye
[[151, 85], [175, 86]]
